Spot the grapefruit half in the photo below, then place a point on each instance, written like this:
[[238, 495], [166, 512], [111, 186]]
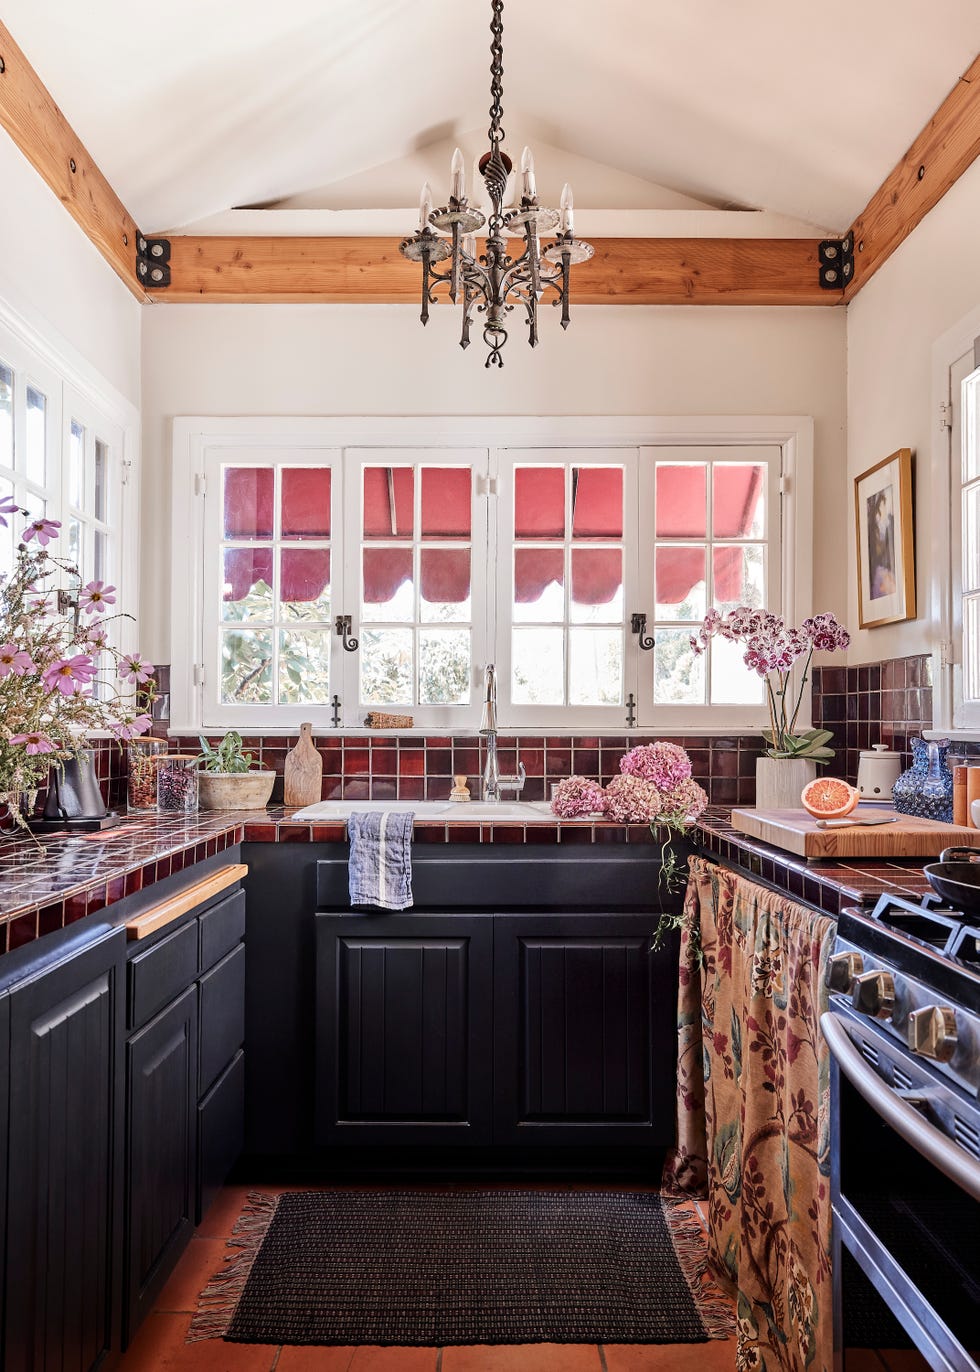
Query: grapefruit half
[[829, 798]]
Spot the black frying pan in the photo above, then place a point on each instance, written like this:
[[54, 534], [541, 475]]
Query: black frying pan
[[956, 877]]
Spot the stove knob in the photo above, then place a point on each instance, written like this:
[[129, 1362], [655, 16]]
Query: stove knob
[[932, 1032], [842, 968], [873, 993]]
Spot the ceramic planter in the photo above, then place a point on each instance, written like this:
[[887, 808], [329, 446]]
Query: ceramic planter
[[236, 790], [779, 781]]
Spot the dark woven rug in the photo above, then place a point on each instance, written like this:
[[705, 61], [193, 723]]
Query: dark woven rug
[[464, 1265]]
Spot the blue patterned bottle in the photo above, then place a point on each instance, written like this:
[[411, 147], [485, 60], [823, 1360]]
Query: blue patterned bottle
[[926, 789]]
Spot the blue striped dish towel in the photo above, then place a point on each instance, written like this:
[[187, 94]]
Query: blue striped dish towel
[[380, 866]]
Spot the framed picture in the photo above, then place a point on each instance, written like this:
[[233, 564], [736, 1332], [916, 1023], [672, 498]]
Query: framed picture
[[885, 552]]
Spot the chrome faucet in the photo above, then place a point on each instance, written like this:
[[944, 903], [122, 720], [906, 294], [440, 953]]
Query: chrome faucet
[[493, 782]]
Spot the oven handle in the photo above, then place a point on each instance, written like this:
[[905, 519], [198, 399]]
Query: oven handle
[[925, 1138]]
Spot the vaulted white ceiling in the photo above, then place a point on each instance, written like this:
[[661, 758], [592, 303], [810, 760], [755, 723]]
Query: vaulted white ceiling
[[199, 106]]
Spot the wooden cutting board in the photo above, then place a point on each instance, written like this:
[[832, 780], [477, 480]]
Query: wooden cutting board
[[907, 837], [302, 771]]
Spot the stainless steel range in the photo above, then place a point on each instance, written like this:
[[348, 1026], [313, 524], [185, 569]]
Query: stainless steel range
[[903, 1030]]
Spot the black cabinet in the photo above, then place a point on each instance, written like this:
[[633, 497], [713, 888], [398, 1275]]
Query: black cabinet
[[64, 1180], [403, 1028], [579, 1002], [161, 1070]]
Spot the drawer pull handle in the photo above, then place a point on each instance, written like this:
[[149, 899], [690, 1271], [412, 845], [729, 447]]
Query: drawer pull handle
[[159, 916]]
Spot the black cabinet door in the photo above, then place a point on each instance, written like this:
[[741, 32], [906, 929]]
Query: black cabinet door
[[403, 1028], [584, 1041], [161, 1151], [222, 1016], [65, 1162]]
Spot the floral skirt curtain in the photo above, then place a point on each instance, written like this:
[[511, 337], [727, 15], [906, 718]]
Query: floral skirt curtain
[[752, 1106]]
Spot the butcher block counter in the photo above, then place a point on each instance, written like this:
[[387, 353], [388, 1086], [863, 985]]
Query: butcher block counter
[[892, 837]]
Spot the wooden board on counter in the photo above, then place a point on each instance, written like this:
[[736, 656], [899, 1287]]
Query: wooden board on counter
[[908, 837]]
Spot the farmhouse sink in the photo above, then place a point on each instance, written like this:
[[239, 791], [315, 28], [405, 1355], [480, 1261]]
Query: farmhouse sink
[[517, 811]]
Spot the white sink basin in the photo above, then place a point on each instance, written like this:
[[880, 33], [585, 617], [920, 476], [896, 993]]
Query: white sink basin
[[517, 811]]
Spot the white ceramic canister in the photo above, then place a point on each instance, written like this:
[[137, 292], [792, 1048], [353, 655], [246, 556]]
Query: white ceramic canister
[[878, 770]]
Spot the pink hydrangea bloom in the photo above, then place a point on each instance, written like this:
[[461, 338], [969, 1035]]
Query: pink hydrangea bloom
[[95, 597], [34, 743], [686, 800], [69, 674], [133, 668], [578, 796], [44, 530], [14, 660], [665, 764], [632, 800]]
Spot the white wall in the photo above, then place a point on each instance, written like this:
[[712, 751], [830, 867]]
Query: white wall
[[377, 360], [52, 276], [926, 287]]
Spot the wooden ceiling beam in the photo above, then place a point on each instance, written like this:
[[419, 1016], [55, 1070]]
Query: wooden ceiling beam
[[938, 157], [624, 271], [47, 140]]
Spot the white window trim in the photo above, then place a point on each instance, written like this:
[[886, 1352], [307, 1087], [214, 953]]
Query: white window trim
[[193, 434], [945, 351]]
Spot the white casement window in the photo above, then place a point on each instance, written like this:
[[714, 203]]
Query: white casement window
[[965, 557], [557, 559]]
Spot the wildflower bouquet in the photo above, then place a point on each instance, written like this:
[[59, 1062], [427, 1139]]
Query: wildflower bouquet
[[60, 677], [772, 651]]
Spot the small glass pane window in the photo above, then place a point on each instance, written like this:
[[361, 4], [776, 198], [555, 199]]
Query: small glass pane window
[[36, 466], [101, 506], [248, 502], [6, 416]]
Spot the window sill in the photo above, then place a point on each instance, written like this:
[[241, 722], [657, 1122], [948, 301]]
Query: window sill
[[954, 735]]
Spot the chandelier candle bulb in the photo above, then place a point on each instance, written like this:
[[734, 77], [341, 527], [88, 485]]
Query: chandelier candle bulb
[[529, 185], [566, 205], [425, 206], [458, 176]]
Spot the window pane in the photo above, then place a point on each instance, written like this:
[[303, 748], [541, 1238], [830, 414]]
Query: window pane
[[681, 498], [732, 683], [680, 583], [389, 508], [971, 648], [444, 584], [304, 666], [101, 480], [6, 416], [387, 666], [75, 544], [678, 675], [76, 465], [597, 502], [444, 666], [389, 591], [739, 574], [248, 498], [739, 509], [306, 502], [247, 587], [100, 568], [304, 587], [538, 667], [246, 667], [597, 585], [37, 458], [971, 539], [7, 535], [539, 585], [539, 502], [446, 502], [595, 666]]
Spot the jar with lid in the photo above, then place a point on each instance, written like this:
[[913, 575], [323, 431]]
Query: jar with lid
[[177, 784], [143, 758], [878, 770]]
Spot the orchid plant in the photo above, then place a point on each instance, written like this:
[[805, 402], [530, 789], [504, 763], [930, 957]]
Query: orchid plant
[[772, 650], [60, 676]]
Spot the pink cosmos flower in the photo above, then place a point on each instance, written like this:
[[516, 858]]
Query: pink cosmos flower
[[44, 530], [133, 668], [130, 726], [95, 597], [8, 506], [69, 674], [95, 639], [14, 660], [35, 743]]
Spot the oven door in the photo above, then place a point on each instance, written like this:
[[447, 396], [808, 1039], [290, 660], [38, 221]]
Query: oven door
[[905, 1173]]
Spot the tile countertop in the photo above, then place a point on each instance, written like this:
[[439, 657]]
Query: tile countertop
[[47, 885]]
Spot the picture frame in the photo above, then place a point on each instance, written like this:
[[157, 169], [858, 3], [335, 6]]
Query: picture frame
[[885, 542]]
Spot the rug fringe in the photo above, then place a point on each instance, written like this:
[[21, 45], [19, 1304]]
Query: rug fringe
[[691, 1250], [218, 1301]]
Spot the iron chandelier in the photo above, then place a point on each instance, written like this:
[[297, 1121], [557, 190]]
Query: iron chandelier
[[494, 282]]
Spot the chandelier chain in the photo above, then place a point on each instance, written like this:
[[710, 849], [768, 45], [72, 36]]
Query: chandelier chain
[[496, 72]]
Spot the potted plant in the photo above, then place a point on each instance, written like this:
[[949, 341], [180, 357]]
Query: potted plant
[[227, 779]]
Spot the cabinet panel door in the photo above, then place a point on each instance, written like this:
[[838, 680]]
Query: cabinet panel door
[[220, 1132], [222, 1015], [403, 1028], [584, 1041], [161, 1151], [65, 1184]]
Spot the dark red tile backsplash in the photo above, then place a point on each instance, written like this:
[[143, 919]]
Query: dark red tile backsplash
[[886, 702]]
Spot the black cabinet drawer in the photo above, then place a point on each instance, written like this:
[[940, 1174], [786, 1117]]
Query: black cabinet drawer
[[161, 973], [221, 928], [221, 1132], [222, 1015]]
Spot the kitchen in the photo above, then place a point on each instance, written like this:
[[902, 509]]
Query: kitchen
[[834, 387]]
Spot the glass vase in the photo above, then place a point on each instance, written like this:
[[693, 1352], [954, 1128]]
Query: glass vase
[[926, 789]]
